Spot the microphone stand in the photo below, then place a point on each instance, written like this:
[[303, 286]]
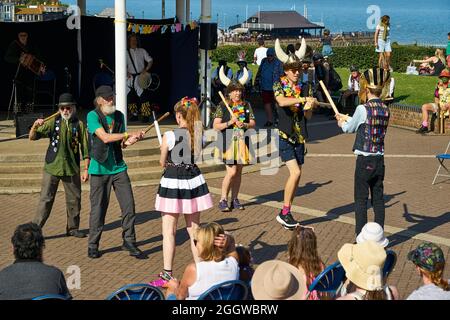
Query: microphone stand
[[14, 92]]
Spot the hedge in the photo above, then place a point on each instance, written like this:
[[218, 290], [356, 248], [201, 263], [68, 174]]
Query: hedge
[[362, 56]]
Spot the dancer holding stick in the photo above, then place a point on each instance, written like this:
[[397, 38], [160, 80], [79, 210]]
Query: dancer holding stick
[[182, 190], [233, 122]]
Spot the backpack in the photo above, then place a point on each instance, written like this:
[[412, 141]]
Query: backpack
[[335, 82]]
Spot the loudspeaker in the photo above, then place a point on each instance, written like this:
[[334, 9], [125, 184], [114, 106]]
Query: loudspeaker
[[25, 122], [208, 36]]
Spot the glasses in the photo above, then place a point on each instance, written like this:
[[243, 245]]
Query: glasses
[[65, 108], [109, 98]]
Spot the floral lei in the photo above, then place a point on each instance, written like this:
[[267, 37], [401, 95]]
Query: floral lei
[[287, 88], [238, 110]]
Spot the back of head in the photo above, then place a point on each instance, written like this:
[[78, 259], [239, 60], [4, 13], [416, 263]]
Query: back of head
[[188, 108], [205, 237], [28, 242], [261, 42], [302, 251]]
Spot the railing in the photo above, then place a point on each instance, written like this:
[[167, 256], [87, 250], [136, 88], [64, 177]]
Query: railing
[[259, 26]]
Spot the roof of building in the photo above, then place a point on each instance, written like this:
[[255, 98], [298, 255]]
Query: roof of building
[[109, 13], [284, 19], [28, 11]]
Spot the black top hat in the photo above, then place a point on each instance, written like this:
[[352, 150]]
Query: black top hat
[[66, 99]]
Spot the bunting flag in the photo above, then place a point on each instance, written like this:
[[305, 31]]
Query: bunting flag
[[150, 28]]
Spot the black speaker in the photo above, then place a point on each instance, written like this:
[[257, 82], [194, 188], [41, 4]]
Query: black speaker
[[25, 122], [208, 36]]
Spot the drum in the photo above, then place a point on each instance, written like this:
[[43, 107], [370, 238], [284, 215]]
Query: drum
[[145, 80], [32, 63]]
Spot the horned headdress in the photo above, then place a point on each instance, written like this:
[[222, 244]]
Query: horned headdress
[[291, 60], [232, 84]]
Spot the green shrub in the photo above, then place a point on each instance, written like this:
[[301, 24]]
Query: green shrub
[[362, 56]]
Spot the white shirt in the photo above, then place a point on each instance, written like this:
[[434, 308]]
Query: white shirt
[[260, 53], [240, 74], [210, 273], [140, 56], [355, 82]]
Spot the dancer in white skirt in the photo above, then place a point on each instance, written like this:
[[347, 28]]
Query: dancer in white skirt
[[182, 189]]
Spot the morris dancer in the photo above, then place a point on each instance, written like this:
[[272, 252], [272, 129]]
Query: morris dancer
[[293, 110], [235, 151], [67, 137], [107, 135], [370, 122], [182, 190]]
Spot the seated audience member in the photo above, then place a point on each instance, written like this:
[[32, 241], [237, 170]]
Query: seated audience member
[[303, 254], [353, 87], [218, 263], [438, 61], [425, 68], [371, 231], [363, 264], [278, 280], [430, 264], [245, 264], [28, 277]]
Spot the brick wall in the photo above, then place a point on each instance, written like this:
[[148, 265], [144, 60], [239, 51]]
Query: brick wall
[[411, 117]]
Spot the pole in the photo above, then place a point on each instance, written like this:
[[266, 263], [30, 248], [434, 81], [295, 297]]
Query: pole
[[163, 9], [82, 5], [121, 60], [205, 59]]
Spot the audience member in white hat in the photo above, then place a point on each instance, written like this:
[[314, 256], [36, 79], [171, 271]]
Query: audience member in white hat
[[372, 231], [363, 264], [278, 280]]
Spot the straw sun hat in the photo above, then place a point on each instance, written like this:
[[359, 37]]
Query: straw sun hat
[[363, 264], [278, 280]]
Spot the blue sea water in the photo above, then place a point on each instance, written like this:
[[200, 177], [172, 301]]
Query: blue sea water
[[411, 20]]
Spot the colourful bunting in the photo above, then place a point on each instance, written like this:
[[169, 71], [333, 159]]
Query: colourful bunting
[[148, 28]]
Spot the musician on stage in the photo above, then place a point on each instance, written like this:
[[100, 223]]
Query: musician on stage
[[108, 170], [139, 63], [68, 138], [16, 53]]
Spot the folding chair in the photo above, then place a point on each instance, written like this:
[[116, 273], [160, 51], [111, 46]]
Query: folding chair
[[139, 291], [228, 290], [389, 264], [50, 297], [329, 280], [441, 158]]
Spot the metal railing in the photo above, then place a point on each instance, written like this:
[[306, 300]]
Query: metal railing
[[258, 26]]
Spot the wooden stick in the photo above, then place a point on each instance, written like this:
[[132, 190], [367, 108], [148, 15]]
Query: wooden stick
[[51, 117], [160, 119], [226, 104], [329, 97]]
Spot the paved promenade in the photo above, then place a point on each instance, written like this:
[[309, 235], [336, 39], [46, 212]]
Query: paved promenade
[[415, 211]]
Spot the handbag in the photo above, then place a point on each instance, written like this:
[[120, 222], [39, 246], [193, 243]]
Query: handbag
[[412, 69]]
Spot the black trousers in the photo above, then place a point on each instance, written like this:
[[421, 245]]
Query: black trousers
[[369, 176]]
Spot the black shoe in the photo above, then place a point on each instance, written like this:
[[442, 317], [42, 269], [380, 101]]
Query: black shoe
[[93, 253], [76, 234], [287, 220], [422, 129], [131, 247]]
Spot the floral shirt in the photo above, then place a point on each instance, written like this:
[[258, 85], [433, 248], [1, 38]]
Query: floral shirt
[[282, 88]]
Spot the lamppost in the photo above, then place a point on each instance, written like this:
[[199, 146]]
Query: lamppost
[[224, 21], [237, 19]]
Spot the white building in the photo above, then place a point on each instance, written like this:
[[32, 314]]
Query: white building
[[7, 11]]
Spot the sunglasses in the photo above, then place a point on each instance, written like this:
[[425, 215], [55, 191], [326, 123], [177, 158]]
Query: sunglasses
[[109, 98], [65, 108]]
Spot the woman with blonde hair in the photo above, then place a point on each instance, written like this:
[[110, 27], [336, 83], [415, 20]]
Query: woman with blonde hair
[[438, 60], [303, 254], [216, 264], [182, 189], [430, 264], [383, 42]]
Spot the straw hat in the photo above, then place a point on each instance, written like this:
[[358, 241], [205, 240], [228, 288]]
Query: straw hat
[[278, 280], [363, 264], [372, 231]]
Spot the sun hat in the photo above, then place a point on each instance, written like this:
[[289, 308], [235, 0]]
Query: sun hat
[[445, 73], [372, 231], [427, 256], [363, 264], [278, 280]]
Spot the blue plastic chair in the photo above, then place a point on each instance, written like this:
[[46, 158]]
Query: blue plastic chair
[[138, 291], [329, 280], [441, 158], [50, 297], [228, 290], [389, 264]]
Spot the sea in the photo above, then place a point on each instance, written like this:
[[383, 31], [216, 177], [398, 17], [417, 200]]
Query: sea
[[412, 21]]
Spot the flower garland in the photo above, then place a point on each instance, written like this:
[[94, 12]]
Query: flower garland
[[287, 88], [238, 110]]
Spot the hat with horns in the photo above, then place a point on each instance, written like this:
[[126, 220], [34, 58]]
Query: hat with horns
[[291, 59], [233, 84]]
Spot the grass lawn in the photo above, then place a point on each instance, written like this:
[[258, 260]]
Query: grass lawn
[[409, 89]]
